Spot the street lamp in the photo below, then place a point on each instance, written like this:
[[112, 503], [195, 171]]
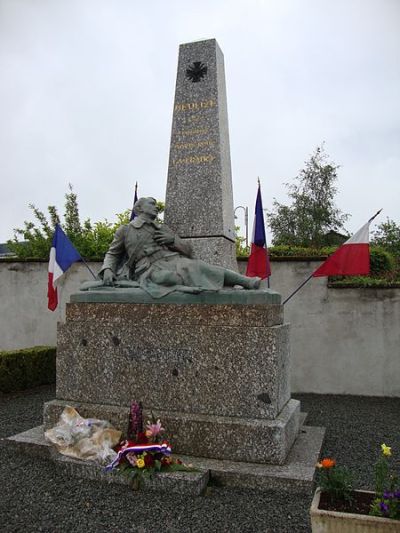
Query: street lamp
[[246, 221]]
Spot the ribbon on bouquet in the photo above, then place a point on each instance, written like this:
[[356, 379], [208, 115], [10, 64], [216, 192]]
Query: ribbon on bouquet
[[163, 448]]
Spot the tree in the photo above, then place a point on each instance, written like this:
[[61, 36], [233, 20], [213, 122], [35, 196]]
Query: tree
[[387, 236], [313, 212], [92, 240], [241, 249]]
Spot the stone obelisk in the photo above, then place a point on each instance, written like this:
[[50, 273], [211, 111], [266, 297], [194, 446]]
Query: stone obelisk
[[199, 199]]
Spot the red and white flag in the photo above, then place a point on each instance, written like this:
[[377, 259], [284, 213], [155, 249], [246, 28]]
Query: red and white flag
[[350, 259]]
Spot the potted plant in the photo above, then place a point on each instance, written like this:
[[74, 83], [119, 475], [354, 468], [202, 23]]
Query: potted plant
[[337, 507]]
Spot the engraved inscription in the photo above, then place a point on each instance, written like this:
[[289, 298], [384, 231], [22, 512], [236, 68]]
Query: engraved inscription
[[197, 131], [193, 160], [192, 145], [194, 106]]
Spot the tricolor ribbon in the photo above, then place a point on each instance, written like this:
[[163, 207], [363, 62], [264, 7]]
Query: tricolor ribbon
[[164, 448]]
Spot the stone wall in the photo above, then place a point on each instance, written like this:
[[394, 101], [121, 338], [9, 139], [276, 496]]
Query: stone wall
[[343, 341]]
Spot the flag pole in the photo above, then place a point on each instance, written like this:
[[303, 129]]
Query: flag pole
[[298, 288], [88, 267], [376, 214]]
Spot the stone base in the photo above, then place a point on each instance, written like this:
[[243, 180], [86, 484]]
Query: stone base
[[216, 375], [233, 439], [219, 360], [296, 475], [33, 443]]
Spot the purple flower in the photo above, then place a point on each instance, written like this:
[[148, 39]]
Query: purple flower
[[135, 420], [397, 494], [384, 507], [388, 495]]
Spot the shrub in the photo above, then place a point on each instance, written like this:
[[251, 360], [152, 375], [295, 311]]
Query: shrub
[[300, 251], [22, 369], [381, 261]]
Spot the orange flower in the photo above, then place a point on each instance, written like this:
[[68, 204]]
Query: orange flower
[[326, 463]]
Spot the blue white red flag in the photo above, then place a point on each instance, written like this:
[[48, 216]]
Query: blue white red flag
[[135, 199], [62, 255], [258, 263]]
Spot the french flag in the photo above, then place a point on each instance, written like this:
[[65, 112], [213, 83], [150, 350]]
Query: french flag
[[62, 255], [135, 199], [350, 259], [258, 263]]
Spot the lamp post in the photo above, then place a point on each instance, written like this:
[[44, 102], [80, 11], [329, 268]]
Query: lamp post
[[246, 221]]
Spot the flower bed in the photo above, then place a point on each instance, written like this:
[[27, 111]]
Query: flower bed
[[337, 507]]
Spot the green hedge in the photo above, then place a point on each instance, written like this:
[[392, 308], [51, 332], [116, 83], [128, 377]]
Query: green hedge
[[300, 251], [362, 282], [22, 369], [381, 261]]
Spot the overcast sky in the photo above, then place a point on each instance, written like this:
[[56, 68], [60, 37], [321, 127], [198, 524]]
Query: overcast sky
[[87, 89]]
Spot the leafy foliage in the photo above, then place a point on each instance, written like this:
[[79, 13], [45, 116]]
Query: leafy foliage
[[336, 481], [29, 367], [90, 239], [300, 251], [387, 236], [381, 262], [387, 488], [241, 249], [313, 212]]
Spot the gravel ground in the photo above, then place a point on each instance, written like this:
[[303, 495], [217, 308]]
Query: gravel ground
[[35, 497]]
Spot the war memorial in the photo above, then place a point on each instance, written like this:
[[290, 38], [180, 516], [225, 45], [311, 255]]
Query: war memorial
[[172, 324]]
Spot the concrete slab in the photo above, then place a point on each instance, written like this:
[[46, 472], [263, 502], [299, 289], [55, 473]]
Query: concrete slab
[[296, 475], [33, 443]]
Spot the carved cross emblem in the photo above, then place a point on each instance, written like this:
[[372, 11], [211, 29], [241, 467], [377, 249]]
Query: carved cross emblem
[[196, 71]]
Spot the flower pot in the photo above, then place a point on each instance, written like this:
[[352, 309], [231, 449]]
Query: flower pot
[[339, 522]]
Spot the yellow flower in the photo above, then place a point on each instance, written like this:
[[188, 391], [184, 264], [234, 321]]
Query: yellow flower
[[386, 450], [140, 463]]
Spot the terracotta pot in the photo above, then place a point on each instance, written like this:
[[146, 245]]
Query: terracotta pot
[[338, 522]]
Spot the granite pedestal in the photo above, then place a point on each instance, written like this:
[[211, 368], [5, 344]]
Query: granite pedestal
[[216, 374], [213, 367]]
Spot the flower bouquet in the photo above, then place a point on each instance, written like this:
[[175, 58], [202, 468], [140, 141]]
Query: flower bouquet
[[145, 452]]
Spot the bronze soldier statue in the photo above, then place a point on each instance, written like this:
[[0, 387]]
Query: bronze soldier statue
[[149, 255]]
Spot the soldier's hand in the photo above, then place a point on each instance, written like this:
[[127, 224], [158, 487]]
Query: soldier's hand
[[164, 236], [108, 277]]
